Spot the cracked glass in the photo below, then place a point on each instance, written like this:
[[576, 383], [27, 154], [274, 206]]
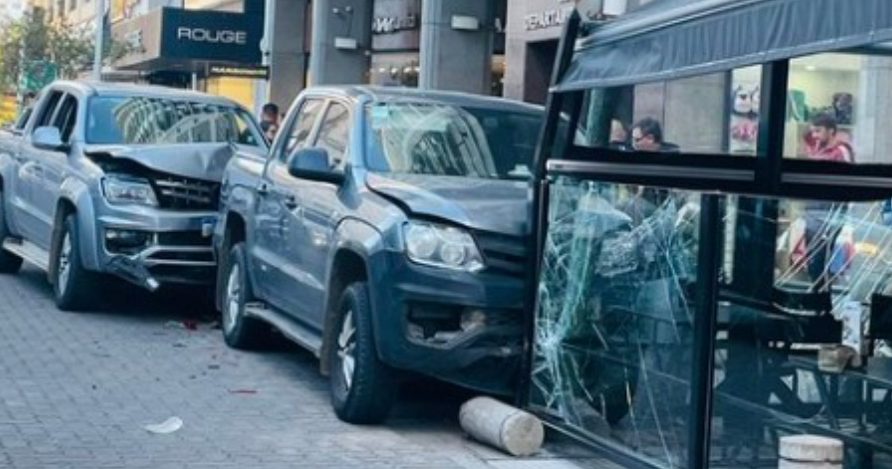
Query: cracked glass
[[613, 331], [803, 322]]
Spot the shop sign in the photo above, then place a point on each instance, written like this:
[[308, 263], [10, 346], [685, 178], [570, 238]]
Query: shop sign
[[224, 36], [548, 18], [211, 35], [396, 25], [392, 24]]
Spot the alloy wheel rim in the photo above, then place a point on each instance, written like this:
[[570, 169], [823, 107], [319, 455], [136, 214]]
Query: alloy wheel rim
[[347, 349], [233, 293], [64, 264]]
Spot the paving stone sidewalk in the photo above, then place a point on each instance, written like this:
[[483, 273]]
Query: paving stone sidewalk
[[77, 389]]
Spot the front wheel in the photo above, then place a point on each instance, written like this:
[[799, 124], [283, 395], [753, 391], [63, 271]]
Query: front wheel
[[362, 388], [74, 287]]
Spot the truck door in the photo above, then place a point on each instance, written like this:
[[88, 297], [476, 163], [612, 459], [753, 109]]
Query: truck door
[[320, 210], [275, 255], [52, 168], [29, 220]]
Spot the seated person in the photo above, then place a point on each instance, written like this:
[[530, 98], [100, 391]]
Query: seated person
[[647, 135]]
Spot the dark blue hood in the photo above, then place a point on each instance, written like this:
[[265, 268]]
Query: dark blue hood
[[483, 204]]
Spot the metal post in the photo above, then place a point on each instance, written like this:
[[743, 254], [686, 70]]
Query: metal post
[[100, 39], [539, 208], [703, 363]]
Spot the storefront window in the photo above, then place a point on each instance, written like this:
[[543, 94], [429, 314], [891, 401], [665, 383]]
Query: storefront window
[[711, 114], [839, 108], [615, 315], [395, 69]]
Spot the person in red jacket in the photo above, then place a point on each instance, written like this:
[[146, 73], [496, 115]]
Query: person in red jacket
[[824, 143], [823, 219]]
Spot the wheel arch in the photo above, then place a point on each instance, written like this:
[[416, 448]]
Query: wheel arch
[[234, 230], [349, 265]]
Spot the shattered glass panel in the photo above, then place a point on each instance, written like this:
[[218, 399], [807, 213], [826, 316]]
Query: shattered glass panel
[[805, 350], [804, 323], [613, 330]]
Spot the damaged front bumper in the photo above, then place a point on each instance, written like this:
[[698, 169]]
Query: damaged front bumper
[[166, 248], [465, 328]]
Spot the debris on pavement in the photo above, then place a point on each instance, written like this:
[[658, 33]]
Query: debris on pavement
[[242, 391], [168, 426]]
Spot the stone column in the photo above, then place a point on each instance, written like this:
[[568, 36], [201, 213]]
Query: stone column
[[286, 43], [456, 59], [336, 23], [691, 111], [873, 112]]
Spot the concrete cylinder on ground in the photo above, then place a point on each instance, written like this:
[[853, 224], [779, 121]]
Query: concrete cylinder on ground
[[508, 428], [810, 452]]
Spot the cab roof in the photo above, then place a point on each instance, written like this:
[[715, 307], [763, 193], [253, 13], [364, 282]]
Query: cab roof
[[152, 91], [368, 93]]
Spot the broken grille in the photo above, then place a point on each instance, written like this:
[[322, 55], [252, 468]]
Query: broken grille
[[506, 255], [186, 194]]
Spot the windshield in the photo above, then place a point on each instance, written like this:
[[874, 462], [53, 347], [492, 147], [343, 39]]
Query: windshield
[[447, 140], [142, 120]]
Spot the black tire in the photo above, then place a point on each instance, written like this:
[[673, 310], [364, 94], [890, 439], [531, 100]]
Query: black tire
[[9, 262], [367, 397], [79, 291], [239, 331]]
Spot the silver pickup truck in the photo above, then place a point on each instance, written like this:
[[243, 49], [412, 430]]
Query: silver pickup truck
[[117, 179]]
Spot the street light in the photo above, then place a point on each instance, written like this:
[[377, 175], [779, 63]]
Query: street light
[[100, 39]]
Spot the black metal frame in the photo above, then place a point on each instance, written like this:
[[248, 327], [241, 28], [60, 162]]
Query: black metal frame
[[768, 175]]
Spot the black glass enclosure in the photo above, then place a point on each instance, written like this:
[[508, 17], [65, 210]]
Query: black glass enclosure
[[714, 240]]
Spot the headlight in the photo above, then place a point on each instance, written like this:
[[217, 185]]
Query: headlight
[[619, 255], [442, 246], [124, 190]]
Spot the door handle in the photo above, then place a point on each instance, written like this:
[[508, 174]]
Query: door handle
[[290, 202], [263, 189]]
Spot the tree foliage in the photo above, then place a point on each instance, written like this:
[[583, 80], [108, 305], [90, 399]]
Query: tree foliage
[[34, 39]]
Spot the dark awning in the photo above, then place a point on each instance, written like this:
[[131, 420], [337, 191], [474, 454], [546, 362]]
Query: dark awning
[[671, 39]]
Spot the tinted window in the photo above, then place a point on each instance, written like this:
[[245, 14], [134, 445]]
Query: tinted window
[[334, 133], [46, 112], [303, 126], [141, 120], [66, 117], [23, 119], [446, 140]]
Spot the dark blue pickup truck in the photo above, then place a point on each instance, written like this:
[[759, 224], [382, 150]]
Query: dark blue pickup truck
[[386, 230]]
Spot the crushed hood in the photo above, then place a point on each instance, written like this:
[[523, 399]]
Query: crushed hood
[[198, 161], [495, 206]]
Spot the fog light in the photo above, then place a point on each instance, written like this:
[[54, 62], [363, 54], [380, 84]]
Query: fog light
[[125, 240]]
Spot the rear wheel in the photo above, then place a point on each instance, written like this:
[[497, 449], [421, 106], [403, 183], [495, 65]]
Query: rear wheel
[[74, 286], [9, 262], [239, 331], [362, 388]]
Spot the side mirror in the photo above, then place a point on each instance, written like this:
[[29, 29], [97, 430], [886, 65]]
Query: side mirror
[[314, 164], [48, 138]]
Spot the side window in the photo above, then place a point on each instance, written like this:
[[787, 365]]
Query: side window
[[48, 109], [23, 119], [302, 127], [66, 117], [334, 133]]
